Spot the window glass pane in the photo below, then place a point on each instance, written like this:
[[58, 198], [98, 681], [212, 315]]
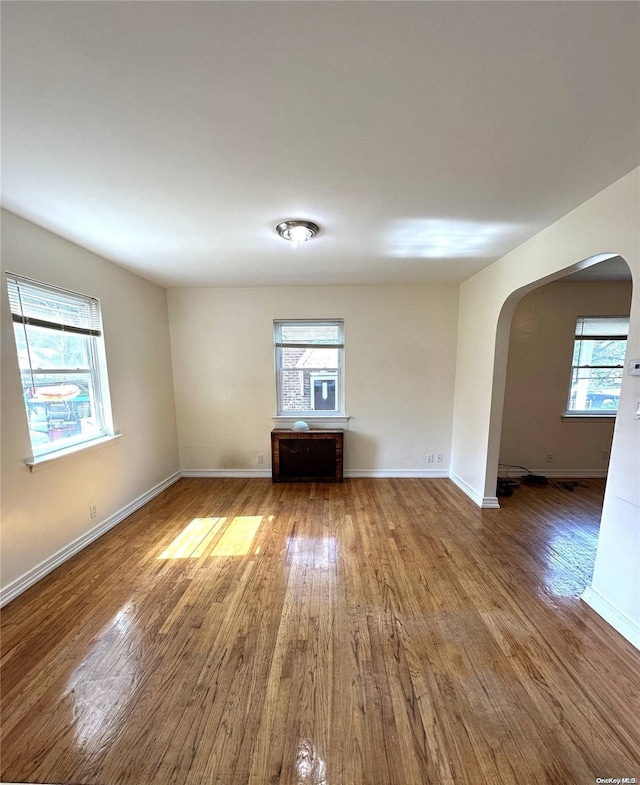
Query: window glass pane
[[299, 391], [595, 389], [576, 353], [309, 358], [51, 348], [295, 392], [21, 345], [62, 409], [298, 367], [604, 352]]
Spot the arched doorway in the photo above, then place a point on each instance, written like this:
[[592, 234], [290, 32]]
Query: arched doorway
[[556, 421], [614, 597], [503, 331]]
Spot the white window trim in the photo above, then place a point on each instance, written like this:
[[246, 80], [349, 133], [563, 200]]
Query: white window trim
[[322, 421], [36, 463], [309, 415]]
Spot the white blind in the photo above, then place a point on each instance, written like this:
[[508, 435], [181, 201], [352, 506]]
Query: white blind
[[309, 334], [602, 327], [43, 305]]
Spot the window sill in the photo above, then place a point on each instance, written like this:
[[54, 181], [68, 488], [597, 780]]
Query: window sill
[[44, 461], [315, 421], [600, 416]]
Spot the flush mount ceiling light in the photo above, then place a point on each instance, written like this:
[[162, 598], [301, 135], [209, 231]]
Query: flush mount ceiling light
[[297, 232]]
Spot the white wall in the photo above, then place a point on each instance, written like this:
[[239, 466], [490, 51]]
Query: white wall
[[608, 224], [399, 370], [537, 385], [45, 511]]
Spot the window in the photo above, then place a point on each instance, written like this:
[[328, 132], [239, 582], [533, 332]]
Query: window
[[61, 357], [598, 362], [309, 361]]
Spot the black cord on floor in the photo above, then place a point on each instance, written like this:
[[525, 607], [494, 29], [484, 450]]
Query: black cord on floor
[[563, 485], [569, 485], [513, 466]]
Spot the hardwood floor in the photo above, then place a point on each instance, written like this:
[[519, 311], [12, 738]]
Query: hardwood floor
[[380, 631]]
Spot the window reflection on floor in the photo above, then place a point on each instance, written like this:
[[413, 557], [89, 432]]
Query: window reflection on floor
[[235, 537], [564, 564], [100, 686], [318, 552]]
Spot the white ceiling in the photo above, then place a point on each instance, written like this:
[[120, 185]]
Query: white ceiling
[[426, 138]]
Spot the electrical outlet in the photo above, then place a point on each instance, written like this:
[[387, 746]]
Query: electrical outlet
[[261, 458], [549, 457], [430, 457], [605, 455], [439, 458], [93, 510]]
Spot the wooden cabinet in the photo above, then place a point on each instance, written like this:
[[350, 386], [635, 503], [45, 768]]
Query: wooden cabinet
[[306, 456]]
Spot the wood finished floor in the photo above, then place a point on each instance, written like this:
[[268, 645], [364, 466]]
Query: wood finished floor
[[385, 632]]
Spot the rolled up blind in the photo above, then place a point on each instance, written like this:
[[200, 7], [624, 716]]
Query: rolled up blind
[[309, 335], [43, 305], [602, 327]]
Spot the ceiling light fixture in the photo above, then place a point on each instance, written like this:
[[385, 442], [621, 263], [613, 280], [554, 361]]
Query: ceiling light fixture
[[297, 232]]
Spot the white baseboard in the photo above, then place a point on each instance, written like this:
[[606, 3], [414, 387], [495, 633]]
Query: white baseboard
[[226, 473], [574, 474], [21, 584], [623, 624], [407, 473], [492, 502], [571, 474], [349, 473], [484, 502]]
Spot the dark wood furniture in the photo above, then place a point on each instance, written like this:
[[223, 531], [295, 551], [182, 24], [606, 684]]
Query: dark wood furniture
[[306, 456]]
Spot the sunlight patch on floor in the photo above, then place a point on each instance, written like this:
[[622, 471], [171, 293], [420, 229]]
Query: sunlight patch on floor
[[239, 534], [193, 539]]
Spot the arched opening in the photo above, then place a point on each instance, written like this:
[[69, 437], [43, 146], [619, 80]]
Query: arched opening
[[503, 332], [560, 399], [618, 541]]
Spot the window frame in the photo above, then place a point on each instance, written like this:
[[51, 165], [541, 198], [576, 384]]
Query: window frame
[[85, 321], [337, 373], [575, 368]]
